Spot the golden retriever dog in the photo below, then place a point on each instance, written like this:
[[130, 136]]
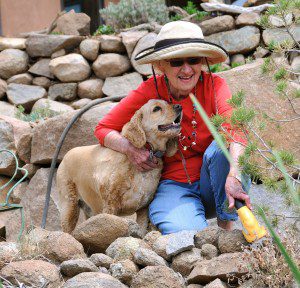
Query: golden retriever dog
[[105, 180]]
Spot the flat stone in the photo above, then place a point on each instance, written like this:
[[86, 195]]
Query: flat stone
[[100, 259], [63, 91], [147, 257], [12, 43], [246, 19], [24, 78], [222, 267], [53, 107], [130, 39], [41, 68], [59, 53], [121, 85], [217, 24], [76, 266], [46, 45], [41, 81], [217, 283], [25, 95], [242, 40], [279, 35], [13, 62], [179, 242]]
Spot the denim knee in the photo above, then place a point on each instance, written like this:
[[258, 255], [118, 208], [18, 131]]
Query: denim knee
[[213, 151]]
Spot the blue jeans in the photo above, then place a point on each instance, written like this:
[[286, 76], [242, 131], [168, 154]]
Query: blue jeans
[[180, 206]]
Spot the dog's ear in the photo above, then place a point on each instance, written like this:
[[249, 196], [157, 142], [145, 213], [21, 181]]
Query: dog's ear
[[171, 148], [133, 130]]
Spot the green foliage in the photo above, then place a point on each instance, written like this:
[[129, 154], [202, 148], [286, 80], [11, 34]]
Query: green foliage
[[296, 94], [236, 64], [36, 115], [263, 21], [242, 116], [281, 87], [266, 66], [191, 9], [176, 17], [217, 120], [281, 73], [286, 157], [237, 99], [129, 13], [104, 29], [215, 68], [56, 33], [272, 45]]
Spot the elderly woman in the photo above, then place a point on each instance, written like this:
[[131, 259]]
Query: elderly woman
[[196, 180]]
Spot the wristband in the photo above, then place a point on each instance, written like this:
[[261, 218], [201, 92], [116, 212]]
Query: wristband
[[237, 177]]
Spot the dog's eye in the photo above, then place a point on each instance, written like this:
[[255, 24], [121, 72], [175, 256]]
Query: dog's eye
[[156, 108]]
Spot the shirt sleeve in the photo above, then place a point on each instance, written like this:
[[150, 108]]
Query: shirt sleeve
[[223, 94], [122, 113]]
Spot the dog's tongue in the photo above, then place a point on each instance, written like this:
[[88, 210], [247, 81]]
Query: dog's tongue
[[168, 126]]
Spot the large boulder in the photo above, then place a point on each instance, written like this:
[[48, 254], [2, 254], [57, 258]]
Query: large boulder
[[222, 267], [70, 68], [263, 98], [12, 43], [54, 107], [242, 40], [46, 134], [12, 62], [32, 273], [130, 38], [122, 85], [46, 45], [279, 35], [111, 64], [217, 24], [25, 95], [99, 231], [73, 23]]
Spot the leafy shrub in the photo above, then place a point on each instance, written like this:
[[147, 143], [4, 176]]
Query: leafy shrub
[[191, 9], [36, 115], [129, 13], [215, 68], [104, 29]]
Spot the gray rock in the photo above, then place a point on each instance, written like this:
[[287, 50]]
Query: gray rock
[[41, 68], [24, 146], [122, 85], [238, 58], [18, 192], [217, 283], [185, 261], [179, 242], [3, 88], [25, 95], [89, 49], [209, 251], [7, 109], [157, 277], [110, 65], [59, 53], [41, 81], [24, 78], [31, 169], [260, 52], [124, 248], [32, 273], [73, 23], [12, 43], [151, 237], [159, 246], [93, 280], [278, 21], [194, 286], [13, 62], [147, 257], [280, 35], [130, 39], [112, 44], [46, 134], [242, 40], [91, 89], [53, 107], [246, 19], [222, 267], [100, 259], [46, 45], [295, 65], [80, 103], [124, 271], [231, 241], [208, 235], [63, 91], [217, 24], [76, 266], [70, 68], [98, 232], [145, 42]]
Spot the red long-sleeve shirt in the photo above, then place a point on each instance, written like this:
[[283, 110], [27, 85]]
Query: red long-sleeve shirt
[[173, 167]]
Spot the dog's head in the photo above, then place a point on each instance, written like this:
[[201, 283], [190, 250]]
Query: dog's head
[[157, 123]]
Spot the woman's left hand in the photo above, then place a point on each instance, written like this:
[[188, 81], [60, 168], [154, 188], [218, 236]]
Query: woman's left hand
[[234, 190]]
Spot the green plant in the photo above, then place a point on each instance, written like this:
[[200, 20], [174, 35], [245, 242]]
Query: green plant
[[191, 9], [236, 64], [215, 68], [56, 33], [129, 13], [104, 29], [176, 17], [36, 115]]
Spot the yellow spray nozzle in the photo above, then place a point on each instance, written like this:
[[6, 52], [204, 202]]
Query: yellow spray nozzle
[[251, 229]]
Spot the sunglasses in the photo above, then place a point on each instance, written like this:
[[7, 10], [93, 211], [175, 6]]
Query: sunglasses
[[180, 62]]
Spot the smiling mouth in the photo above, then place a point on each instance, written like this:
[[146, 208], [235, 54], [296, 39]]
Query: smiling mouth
[[185, 78], [174, 125]]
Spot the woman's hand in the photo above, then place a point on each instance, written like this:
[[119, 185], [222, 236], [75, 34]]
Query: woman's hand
[[234, 190], [140, 158]]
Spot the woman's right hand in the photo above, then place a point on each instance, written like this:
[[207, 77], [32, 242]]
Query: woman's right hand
[[139, 157]]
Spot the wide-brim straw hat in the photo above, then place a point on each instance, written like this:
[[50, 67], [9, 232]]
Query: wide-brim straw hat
[[181, 39]]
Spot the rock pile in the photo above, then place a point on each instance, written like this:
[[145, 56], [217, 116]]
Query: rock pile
[[210, 258]]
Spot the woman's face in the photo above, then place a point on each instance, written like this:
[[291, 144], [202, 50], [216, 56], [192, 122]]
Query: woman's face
[[183, 78]]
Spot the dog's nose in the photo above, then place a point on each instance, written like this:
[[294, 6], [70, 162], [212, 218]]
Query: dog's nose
[[177, 107]]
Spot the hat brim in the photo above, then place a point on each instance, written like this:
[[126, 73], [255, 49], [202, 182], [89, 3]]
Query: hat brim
[[213, 53]]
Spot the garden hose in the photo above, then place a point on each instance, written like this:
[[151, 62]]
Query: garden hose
[[59, 145], [10, 206]]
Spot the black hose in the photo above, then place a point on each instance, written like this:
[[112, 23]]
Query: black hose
[[59, 145]]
